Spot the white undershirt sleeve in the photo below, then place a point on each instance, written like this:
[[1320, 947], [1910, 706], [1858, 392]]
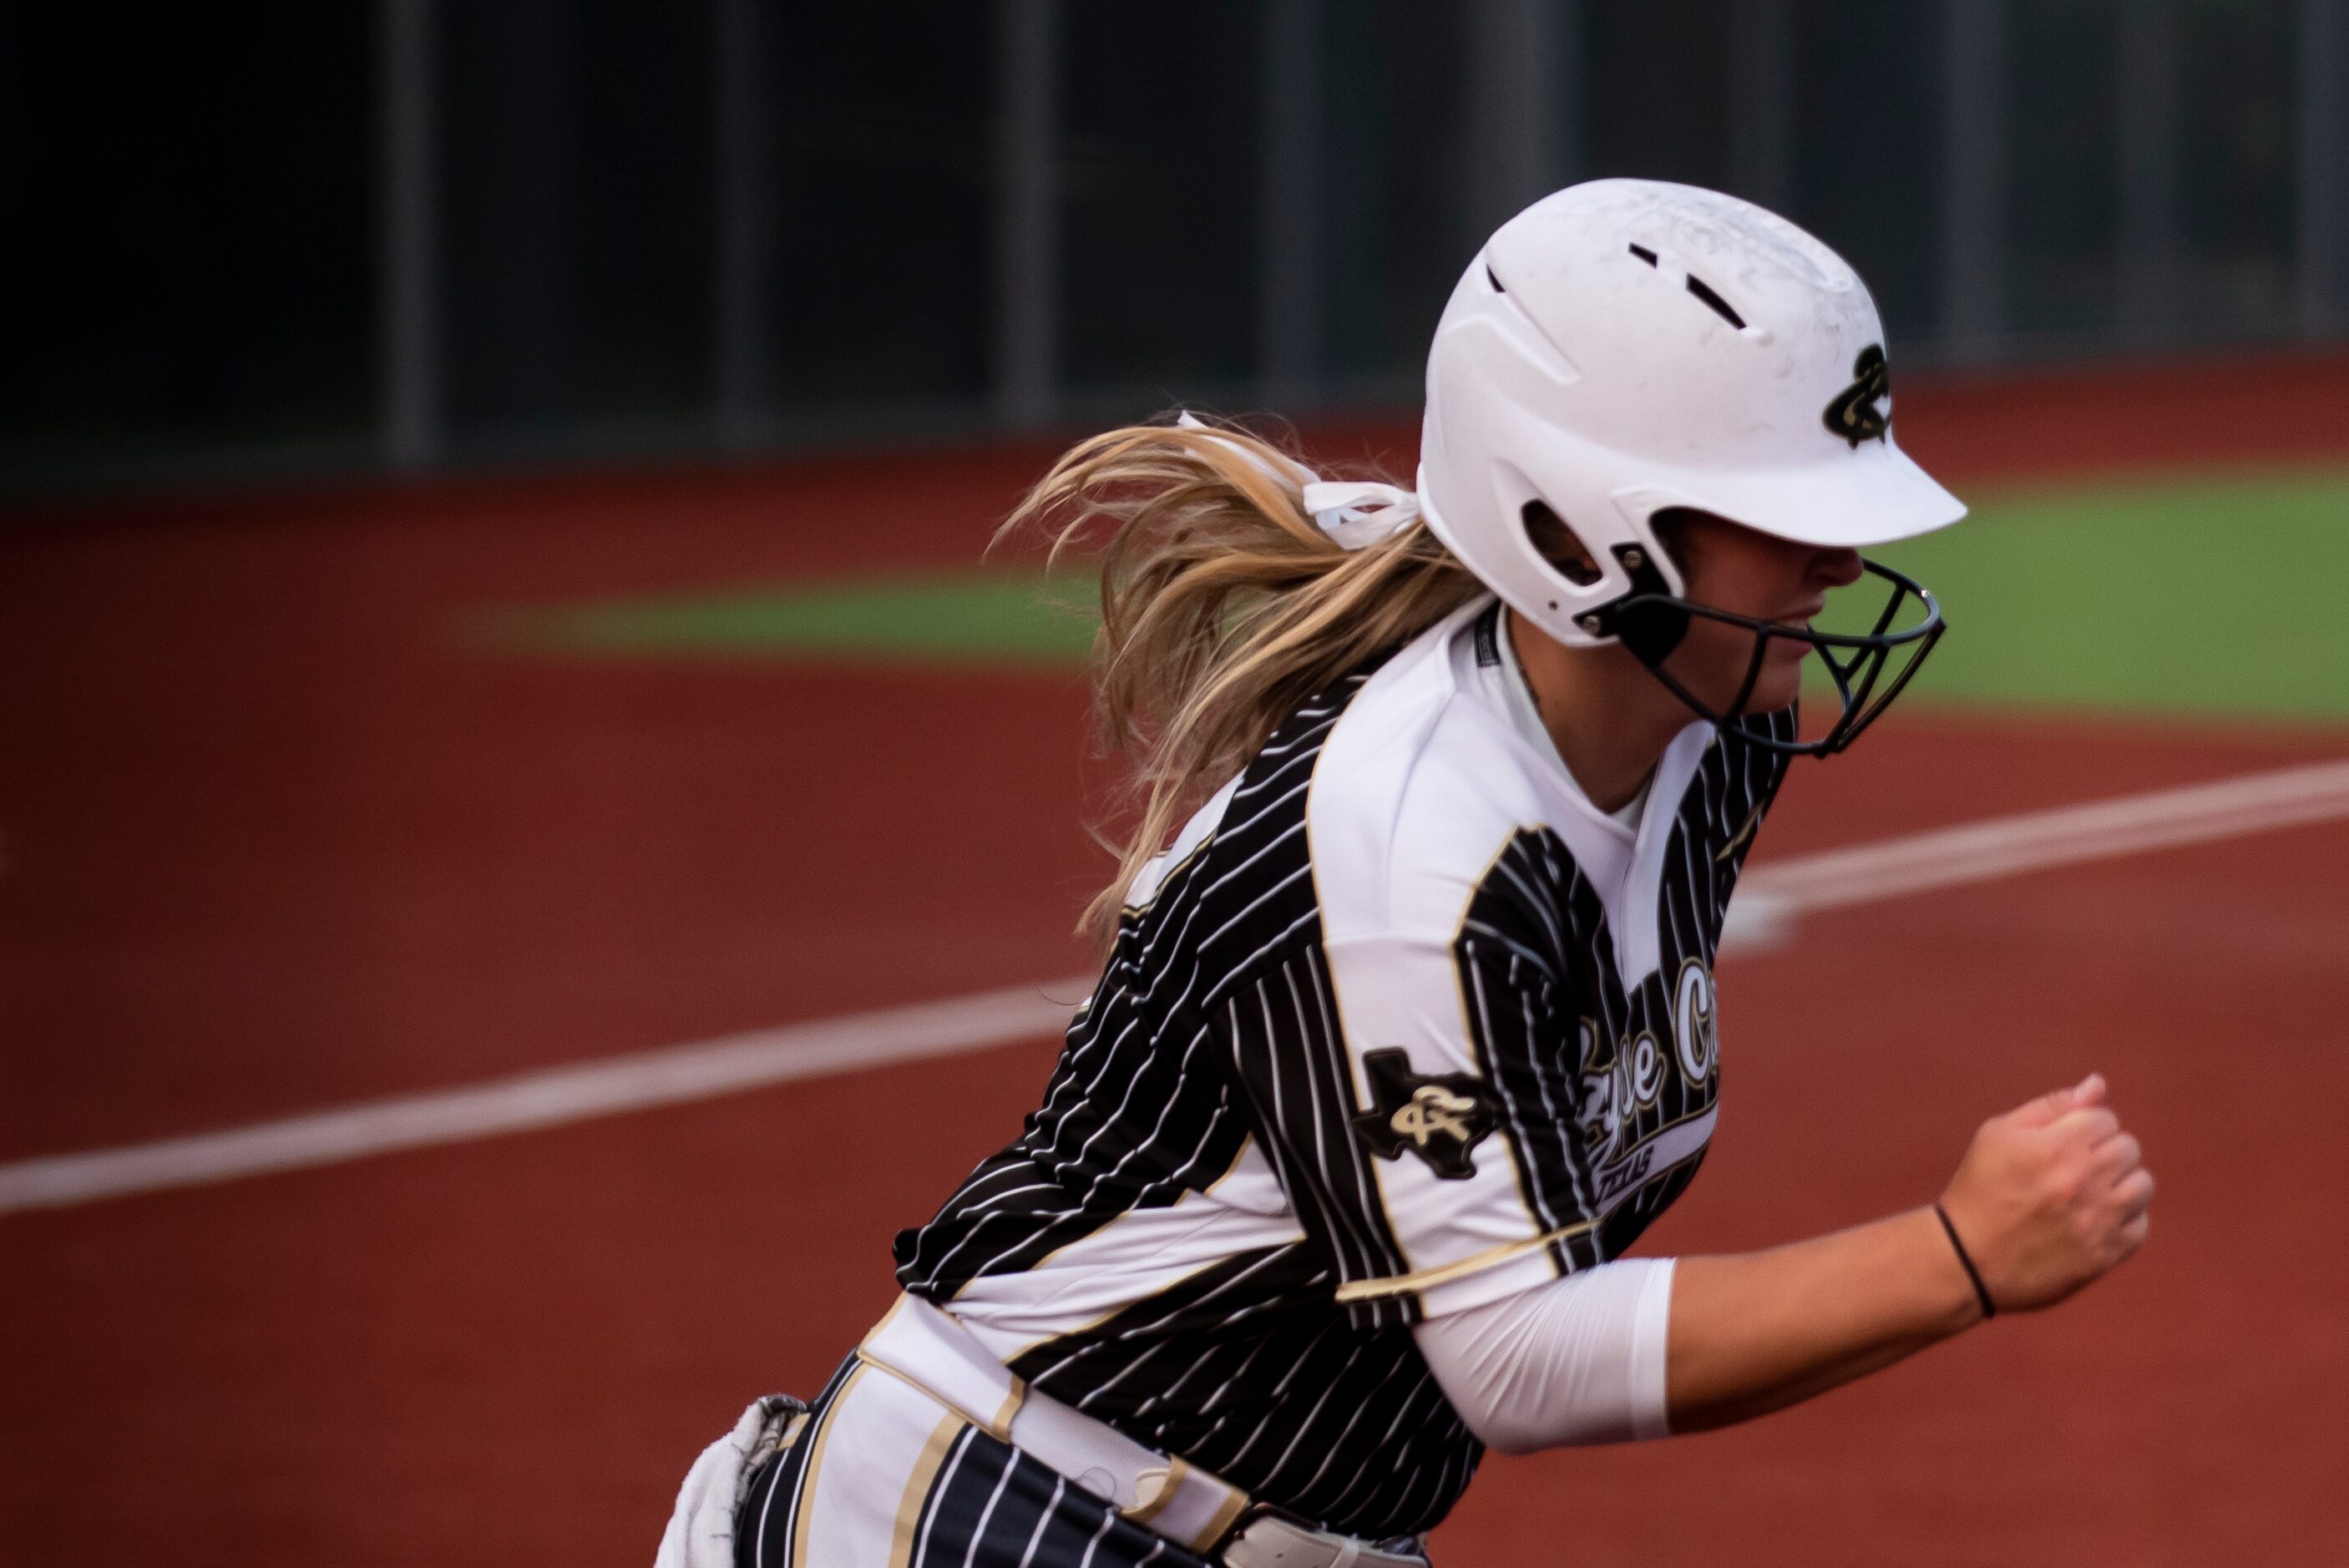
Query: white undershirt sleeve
[[1578, 1360]]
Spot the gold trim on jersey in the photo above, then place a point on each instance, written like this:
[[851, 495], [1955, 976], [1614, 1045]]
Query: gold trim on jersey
[[999, 1426], [805, 1497], [917, 1487], [1444, 1273], [1357, 1086]]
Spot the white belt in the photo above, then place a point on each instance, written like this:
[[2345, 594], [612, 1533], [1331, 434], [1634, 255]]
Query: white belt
[[1189, 1506]]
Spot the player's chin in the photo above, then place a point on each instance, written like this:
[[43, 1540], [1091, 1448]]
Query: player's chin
[[1780, 681]]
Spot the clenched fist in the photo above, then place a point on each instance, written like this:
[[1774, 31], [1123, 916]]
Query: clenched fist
[[2050, 1196]]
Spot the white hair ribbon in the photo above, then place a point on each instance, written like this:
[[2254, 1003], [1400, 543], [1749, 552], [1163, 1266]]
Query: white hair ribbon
[[1360, 514], [1353, 514]]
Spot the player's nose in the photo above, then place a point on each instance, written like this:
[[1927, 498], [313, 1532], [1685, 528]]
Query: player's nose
[[1837, 568]]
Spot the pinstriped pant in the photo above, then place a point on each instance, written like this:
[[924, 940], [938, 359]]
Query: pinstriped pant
[[883, 1476]]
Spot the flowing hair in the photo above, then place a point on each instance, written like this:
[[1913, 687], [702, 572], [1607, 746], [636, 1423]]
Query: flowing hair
[[1223, 606]]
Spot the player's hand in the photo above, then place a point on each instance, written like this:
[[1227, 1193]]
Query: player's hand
[[2050, 1196]]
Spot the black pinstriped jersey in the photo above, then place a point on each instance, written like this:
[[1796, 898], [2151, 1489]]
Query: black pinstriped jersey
[[1400, 1024]]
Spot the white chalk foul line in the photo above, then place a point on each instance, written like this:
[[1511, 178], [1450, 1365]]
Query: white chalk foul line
[[2095, 830], [549, 1098], [1769, 898]]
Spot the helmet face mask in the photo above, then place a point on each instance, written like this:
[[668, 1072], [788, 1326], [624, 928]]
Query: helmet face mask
[[1652, 624], [1626, 347], [1868, 668]]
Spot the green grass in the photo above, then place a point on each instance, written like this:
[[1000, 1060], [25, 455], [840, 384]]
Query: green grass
[[2213, 595], [2208, 596], [976, 617]]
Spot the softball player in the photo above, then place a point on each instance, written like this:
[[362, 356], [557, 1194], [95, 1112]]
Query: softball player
[[1408, 1027]]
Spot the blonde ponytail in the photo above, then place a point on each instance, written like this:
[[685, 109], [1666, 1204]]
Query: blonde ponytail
[[1224, 605]]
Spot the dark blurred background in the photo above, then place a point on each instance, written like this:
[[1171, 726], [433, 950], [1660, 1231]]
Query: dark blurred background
[[254, 238]]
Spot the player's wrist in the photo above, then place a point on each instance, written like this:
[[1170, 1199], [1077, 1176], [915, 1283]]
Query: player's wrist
[[1956, 1304], [1987, 1304]]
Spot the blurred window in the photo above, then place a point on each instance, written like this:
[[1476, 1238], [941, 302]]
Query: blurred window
[[2062, 163], [1160, 170], [881, 230], [573, 213], [1394, 233], [1868, 149], [2237, 164], [1657, 91]]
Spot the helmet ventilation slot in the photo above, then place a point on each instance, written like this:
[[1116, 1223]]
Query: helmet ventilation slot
[[1703, 291], [1721, 307], [1558, 545]]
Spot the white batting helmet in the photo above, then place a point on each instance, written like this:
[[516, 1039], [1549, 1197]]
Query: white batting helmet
[[1625, 346]]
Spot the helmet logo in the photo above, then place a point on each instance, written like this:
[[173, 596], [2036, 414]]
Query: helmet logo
[[1854, 415]]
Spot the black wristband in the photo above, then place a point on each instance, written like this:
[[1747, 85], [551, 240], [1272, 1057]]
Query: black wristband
[[1981, 1291]]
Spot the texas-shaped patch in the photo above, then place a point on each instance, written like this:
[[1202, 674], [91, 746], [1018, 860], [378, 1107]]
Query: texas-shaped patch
[[1440, 1117]]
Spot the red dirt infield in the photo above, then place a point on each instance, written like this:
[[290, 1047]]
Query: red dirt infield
[[273, 841]]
